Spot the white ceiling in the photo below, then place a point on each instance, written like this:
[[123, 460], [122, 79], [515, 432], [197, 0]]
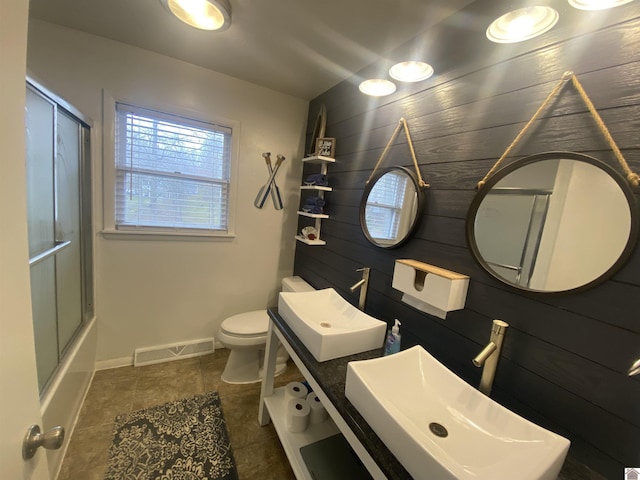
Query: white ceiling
[[299, 47]]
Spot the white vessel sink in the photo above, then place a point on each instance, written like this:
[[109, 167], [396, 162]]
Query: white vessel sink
[[402, 395], [328, 325]]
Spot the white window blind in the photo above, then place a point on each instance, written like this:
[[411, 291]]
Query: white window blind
[[171, 172], [384, 206]]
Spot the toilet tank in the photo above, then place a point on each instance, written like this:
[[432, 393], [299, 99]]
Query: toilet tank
[[295, 284]]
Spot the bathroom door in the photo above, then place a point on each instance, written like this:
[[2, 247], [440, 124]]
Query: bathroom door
[[19, 402]]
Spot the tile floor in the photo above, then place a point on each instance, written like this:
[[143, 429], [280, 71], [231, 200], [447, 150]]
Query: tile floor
[[257, 450]]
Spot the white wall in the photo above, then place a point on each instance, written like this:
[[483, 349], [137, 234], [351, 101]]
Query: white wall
[[151, 292]]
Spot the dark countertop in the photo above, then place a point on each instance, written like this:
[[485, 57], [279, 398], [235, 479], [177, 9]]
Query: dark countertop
[[331, 376]]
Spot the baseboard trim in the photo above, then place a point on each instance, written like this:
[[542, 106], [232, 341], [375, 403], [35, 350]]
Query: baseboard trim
[[128, 360], [114, 363]]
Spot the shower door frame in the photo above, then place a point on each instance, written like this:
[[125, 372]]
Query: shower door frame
[[85, 217]]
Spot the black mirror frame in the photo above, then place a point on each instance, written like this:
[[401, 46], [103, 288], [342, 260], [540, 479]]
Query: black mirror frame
[[503, 172], [419, 210]]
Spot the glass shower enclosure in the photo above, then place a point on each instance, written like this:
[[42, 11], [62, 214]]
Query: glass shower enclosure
[[59, 225]]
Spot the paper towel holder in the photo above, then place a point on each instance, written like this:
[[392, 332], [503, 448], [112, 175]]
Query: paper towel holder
[[420, 278], [428, 288]]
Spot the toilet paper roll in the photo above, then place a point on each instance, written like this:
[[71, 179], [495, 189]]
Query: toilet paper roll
[[298, 413], [294, 390], [318, 412]]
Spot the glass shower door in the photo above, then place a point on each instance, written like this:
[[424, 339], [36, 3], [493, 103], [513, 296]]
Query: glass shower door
[[518, 215], [40, 136], [54, 207], [67, 228]]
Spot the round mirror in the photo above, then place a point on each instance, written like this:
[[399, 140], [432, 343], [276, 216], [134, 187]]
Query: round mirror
[[553, 222], [391, 207]]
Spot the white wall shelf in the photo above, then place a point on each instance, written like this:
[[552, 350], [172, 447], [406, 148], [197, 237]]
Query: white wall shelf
[[312, 215], [300, 238], [319, 159], [316, 187], [323, 162]]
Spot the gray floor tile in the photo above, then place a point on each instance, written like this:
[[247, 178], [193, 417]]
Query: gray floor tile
[[166, 387], [87, 454], [105, 400], [263, 461], [257, 449]]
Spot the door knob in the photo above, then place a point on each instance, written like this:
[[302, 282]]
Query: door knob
[[51, 440]]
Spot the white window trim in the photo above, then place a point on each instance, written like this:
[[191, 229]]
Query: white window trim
[[109, 175]]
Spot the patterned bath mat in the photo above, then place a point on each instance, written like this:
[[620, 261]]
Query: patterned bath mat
[[182, 440]]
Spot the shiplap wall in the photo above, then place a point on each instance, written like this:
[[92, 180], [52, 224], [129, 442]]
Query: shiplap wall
[[565, 357]]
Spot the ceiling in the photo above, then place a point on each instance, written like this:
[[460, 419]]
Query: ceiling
[[298, 47]]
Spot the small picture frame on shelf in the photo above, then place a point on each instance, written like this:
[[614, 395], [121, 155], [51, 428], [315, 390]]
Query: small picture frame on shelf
[[326, 147]]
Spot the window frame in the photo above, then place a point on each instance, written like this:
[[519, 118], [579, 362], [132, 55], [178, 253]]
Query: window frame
[[110, 229]]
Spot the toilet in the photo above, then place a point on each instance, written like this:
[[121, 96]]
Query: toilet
[[245, 334]]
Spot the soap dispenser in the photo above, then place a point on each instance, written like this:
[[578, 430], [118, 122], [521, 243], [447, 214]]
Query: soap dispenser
[[392, 344]]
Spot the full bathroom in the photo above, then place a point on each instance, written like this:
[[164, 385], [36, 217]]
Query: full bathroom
[[564, 101]]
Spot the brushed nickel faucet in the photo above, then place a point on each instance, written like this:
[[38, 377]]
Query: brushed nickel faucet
[[363, 285], [489, 356]]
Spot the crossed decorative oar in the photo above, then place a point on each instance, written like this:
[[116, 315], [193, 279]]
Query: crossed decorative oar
[[271, 187]]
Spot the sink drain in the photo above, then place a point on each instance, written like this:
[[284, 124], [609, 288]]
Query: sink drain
[[325, 324], [438, 430]]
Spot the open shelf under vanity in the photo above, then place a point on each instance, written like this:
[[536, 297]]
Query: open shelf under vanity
[[334, 441]]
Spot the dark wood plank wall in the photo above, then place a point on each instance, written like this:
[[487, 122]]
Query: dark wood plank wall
[[565, 357]]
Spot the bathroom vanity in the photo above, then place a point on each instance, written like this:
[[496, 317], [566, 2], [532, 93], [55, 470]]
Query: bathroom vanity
[[328, 381]]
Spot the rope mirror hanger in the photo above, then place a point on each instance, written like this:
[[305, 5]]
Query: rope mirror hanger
[[632, 178], [402, 123]]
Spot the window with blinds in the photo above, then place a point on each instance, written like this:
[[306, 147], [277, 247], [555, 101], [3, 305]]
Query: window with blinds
[[171, 172], [384, 206]]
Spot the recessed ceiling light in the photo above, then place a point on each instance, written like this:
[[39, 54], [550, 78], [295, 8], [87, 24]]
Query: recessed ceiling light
[[522, 24], [411, 71], [597, 4], [202, 14], [377, 87]]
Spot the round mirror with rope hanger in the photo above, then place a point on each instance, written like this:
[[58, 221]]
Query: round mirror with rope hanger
[[553, 222]]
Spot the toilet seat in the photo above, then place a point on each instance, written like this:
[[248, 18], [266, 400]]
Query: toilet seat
[[248, 324]]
